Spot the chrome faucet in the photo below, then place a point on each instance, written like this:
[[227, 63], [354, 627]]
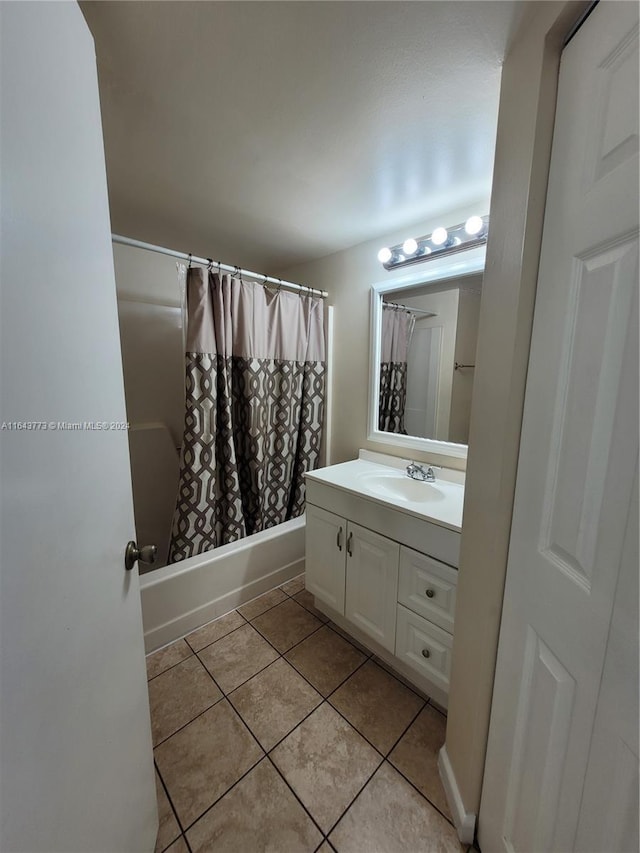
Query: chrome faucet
[[418, 472]]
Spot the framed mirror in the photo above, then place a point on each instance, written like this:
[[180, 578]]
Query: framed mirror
[[423, 338]]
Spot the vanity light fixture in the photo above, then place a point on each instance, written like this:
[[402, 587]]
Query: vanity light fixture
[[442, 241]]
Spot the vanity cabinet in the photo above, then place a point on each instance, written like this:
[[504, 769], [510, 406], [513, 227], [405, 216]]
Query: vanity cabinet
[[354, 571], [397, 599]]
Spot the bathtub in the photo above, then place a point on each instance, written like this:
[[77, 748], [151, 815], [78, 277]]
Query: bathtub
[[179, 598]]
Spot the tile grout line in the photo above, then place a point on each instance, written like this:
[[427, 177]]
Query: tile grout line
[[173, 808], [417, 790], [222, 796], [306, 810], [191, 649], [324, 699], [233, 630]]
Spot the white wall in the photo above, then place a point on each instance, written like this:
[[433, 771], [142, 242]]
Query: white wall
[[150, 320], [523, 146], [465, 353], [348, 276]]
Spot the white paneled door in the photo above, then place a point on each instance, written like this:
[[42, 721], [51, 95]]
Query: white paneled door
[[76, 762], [562, 763]]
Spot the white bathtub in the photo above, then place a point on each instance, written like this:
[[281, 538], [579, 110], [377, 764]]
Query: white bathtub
[[178, 598]]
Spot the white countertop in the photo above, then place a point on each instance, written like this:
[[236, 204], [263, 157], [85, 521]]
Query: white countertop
[[439, 503]]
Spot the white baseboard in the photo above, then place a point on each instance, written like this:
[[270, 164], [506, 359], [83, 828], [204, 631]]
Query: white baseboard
[[465, 822]]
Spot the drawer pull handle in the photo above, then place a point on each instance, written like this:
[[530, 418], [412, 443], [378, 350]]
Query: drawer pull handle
[[426, 653], [430, 593], [339, 539], [349, 551]]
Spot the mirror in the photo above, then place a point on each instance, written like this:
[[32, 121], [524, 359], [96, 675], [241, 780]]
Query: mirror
[[424, 335]]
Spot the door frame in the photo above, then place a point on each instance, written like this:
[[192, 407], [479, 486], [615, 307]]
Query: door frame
[[523, 152]]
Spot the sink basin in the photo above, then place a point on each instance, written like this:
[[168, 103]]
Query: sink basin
[[396, 486]]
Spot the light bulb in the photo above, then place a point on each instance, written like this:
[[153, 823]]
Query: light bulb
[[473, 225], [384, 255], [410, 246], [439, 236]]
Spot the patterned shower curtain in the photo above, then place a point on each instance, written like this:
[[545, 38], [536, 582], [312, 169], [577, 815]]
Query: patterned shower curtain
[[255, 389], [397, 328]]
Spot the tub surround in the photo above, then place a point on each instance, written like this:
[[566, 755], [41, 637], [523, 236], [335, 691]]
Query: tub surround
[[382, 552]]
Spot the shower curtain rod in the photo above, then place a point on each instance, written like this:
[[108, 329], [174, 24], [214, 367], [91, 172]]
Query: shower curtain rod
[[185, 256], [413, 310]]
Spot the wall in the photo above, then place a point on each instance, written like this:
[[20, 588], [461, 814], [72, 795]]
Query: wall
[[525, 129], [465, 353], [150, 321], [348, 276]]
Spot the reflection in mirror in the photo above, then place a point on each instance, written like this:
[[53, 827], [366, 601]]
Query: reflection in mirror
[[428, 345]]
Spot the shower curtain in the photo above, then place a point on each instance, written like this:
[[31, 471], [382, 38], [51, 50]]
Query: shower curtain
[[397, 328], [255, 389]]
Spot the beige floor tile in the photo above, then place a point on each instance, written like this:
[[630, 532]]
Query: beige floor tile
[[236, 657], [168, 829], [203, 760], [377, 705], [400, 677], [259, 814], [215, 630], [167, 657], [294, 585], [286, 624], [305, 598], [390, 816], [416, 756], [179, 846], [178, 695], [274, 701], [325, 659], [326, 762], [352, 640], [264, 602]]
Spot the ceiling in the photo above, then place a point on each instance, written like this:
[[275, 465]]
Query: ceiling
[[270, 133]]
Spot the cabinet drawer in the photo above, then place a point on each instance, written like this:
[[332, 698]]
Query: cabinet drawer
[[424, 647], [428, 587]]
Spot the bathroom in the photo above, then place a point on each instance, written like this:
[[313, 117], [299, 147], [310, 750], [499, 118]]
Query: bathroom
[[306, 690]]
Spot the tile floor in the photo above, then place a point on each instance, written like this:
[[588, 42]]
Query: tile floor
[[274, 731]]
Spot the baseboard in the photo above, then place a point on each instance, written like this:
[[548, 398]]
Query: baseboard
[[465, 822]]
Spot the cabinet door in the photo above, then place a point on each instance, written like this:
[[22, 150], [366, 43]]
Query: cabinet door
[[372, 584], [325, 556]]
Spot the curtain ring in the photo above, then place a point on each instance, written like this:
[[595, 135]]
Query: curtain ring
[[190, 256], [210, 265], [279, 285]]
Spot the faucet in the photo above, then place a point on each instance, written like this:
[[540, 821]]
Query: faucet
[[418, 472]]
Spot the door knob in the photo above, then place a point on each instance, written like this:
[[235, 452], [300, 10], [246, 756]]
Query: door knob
[[146, 554]]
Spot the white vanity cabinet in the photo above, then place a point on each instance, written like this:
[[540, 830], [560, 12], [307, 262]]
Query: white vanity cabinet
[[387, 577], [354, 571]]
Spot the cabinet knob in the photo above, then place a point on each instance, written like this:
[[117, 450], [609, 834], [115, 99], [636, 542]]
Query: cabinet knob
[[430, 593], [339, 539], [426, 653], [349, 540]]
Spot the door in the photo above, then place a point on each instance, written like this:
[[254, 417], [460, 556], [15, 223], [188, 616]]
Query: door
[[423, 379], [372, 584], [76, 768], [325, 536], [576, 485]]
